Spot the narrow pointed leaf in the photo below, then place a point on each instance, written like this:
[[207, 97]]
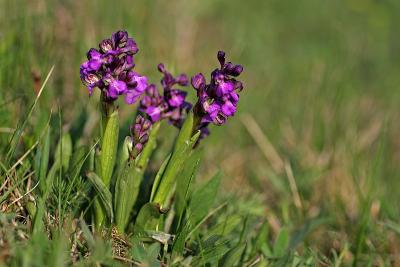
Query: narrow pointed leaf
[[21, 127], [103, 193], [203, 199]]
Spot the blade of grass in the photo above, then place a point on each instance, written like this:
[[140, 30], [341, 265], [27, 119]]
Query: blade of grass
[[20, 128]]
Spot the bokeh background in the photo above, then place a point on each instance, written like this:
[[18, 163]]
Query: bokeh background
[[317, 134]]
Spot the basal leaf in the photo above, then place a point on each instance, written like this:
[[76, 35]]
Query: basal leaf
[[185, 179], [148, 217], [103, 193], [281, 243], [180, 153], [127, 188], [203, 199], [63, 150], [232, 258]]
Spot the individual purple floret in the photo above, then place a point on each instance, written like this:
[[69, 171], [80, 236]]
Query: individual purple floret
[[110, 69], [171, 104], [140, 135], [217, 100]]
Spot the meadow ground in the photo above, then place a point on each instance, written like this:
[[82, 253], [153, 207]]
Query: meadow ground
[[314, 149]]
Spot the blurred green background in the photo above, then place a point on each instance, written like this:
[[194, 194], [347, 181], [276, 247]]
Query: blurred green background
[[317, 131]]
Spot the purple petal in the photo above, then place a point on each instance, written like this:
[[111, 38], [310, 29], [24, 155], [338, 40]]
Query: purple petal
[[182, 80], [93, 54], [228, 109], [95, 64], [154, 113], [234, 97], [142, 83], [132, 96], [116, 88], [211, 109], [128, 63], [225, 88], [176, 98], [198, 81], [84, 68]]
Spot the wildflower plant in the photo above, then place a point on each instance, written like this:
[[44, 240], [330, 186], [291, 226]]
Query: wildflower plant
[[119, 174]]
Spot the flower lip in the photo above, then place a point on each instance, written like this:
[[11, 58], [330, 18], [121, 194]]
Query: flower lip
[[91, 79], [117, 88], [106, 45]]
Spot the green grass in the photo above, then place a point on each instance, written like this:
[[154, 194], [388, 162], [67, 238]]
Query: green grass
[[310, 162]]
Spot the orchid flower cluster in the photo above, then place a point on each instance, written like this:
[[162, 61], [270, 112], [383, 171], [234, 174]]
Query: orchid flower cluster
[[217, 100], [110, 69]]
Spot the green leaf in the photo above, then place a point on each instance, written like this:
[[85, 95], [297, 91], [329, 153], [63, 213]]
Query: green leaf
[[44, 160], [109, 147], [180, 153], [87, 234], [14, 141], [183, 185], [262, 237], [148, 217], [281, 243], [180, 240], [226, 226], [61, 156], [127, 190], [203, 199], [79, 157], [64, 150], [232, 258], [123, 157], [185, 133], [129, 179], [211, 254], [103, 193], [157, 179]]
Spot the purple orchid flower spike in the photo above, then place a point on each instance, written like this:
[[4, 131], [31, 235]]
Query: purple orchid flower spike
[[109, 68], [171, 104], [217, 100]]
